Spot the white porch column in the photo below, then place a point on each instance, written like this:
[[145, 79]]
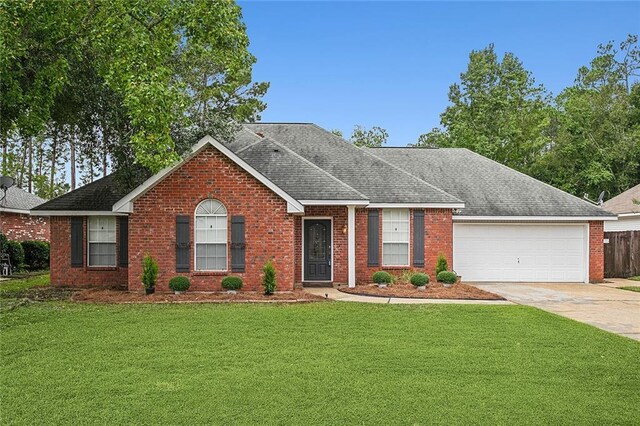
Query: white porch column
[[351, 244]]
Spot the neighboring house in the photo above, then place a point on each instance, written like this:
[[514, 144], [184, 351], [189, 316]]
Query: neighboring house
[[324, 211], [628, 212], [15, 221]]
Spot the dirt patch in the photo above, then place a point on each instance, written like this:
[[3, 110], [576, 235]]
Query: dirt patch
[[433, 291], [38, 294], [115, 296]]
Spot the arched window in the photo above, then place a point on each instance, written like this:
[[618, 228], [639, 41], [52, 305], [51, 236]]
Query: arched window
[[211, 236]]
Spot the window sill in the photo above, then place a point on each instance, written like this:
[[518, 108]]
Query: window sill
[[102, 268], [396, 267], [209, 273]]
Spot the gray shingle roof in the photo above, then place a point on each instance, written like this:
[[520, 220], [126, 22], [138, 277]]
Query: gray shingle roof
[[487, 187], [366, 173], [623, 203], [19, 199], [99, 195]]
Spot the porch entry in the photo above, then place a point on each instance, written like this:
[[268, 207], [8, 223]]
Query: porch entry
[[317, 249]]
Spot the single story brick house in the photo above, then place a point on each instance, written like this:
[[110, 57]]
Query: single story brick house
[[16, 222], [326, 212]]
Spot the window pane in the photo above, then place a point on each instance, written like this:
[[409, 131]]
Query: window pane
[[395, 226], [102, 254], [211, 257], [395, 254], [102, 229]]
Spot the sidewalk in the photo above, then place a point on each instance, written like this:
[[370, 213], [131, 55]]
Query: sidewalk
[[334, 294]]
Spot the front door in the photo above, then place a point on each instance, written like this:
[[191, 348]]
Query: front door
[[317, 250]]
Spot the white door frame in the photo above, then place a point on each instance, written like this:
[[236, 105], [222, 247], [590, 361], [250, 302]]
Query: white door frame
[[585, 227], [330, 218]]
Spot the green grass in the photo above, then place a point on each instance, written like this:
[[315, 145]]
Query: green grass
[[631, 288], [25, 283], [321, 363], [636, 278]]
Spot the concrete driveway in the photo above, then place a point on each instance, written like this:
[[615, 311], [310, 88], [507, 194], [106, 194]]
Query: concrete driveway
[[602, 306]]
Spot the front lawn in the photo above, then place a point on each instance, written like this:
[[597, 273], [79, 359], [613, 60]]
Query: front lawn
[[18, 284], [631, 288], [315, 363]]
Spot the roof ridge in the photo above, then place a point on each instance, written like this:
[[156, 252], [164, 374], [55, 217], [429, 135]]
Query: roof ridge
[[366, 151], [534, 179], [315, 166], [251, 144]]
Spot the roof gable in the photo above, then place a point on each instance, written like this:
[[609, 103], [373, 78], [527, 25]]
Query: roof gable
[[18, 200]]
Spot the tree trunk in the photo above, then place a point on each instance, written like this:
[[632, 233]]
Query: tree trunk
[[30, 176], [54, 146], [5, 149], [72, 160]]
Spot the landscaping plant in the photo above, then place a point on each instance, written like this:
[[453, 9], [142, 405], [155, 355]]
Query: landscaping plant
[[419, 279], [179, 284], [269, 278], [232, 283], [382, 277], [149, 272], [447, 277], [16, 255], [36, 254], [441, 264]]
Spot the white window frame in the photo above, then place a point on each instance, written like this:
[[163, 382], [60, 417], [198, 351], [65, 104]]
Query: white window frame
[[114, 242], [407, 242], [195, 235]]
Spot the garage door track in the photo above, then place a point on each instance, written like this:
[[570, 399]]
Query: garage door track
[[610, 309]]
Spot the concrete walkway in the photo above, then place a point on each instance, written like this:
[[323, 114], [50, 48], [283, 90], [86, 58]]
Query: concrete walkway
[[600, 305], [332, 293]]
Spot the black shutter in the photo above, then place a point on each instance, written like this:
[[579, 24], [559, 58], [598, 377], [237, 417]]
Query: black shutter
[[123, 237], [76, 242], [237, 244], [418, 238], [373, 238], [182, 243]]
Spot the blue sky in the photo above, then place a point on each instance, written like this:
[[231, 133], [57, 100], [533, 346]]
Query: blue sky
[[391, 63]]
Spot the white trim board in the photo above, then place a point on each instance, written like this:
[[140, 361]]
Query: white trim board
[[457, 218], [334, 202], [10, 210], [415, 206], [125, 205]]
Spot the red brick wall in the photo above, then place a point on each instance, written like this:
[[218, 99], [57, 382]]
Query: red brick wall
[[22, 227], [269, 229], [596, 251], [63, 275], [438, 239]]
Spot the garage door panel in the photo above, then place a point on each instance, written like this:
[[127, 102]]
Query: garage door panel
[[544, 253]]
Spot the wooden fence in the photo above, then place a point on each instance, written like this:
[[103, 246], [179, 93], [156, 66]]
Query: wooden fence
[[622, 254]]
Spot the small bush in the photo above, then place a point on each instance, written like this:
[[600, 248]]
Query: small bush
[[36, 254], [149, 271], [419, 279], [3, 243], [382, 277], [447, 277], [16, 255], [441, 264], [232, 283], [179, 283], [269, 278]]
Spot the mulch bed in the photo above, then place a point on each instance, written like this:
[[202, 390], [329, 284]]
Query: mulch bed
[[115, 296], [433, 291]]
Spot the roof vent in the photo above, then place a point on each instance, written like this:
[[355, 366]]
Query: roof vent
[[260, 134], [276, 150]]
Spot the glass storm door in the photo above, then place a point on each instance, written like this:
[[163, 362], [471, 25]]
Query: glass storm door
[[317, 250]]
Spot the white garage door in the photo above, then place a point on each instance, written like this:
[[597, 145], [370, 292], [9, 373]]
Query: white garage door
[[527, 252]]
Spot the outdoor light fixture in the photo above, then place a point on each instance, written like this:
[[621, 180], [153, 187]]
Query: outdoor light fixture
[[344, 230], [6, 182]]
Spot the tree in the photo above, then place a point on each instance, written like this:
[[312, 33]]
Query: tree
[[374, 137], [166, 67], [596, 145], [337, 132], [497, 110]]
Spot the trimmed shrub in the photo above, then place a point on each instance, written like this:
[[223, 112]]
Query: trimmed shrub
[[3, 243], [269, 278], [232, 283], [149, 271], [179, 283], [447, 277], [36, 254], [16, 255], [441, 264], [382, 277], [419, 279]]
